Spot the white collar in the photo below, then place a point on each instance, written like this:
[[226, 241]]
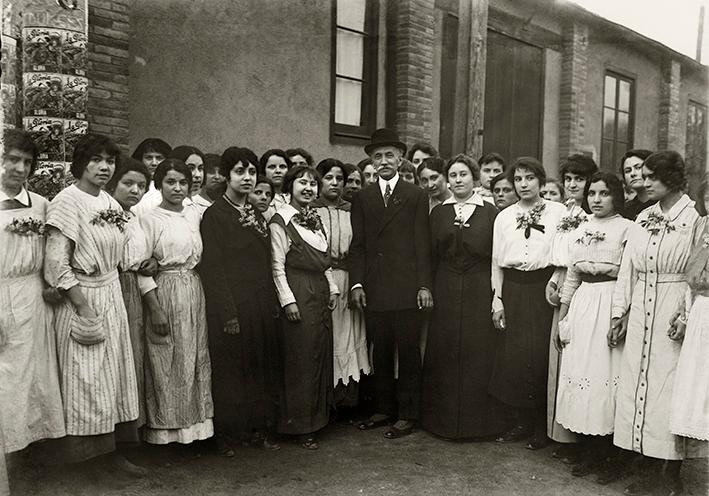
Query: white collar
[[392, 182], [677, 207], [200, 200], [287, 211], [475, 199], [23, 197]]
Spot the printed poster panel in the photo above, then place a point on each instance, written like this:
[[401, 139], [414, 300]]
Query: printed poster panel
[[9, 105], [73, 131], [42, 94], [48, 134], [73, 53], [74, 97], [41, 49]]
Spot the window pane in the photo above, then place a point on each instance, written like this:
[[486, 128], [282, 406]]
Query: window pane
[[609, 98], [622, 126], [608, 123], [350, 54], [350, 14], [607, 162], [620, 149], [624, 96], [348, 102]]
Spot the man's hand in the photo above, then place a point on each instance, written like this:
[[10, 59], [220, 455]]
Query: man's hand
[[424, 298], [358, 299], [292, 312], [333, 302]]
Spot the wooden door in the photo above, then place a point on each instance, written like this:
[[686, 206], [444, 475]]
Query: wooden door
[[514, 94]]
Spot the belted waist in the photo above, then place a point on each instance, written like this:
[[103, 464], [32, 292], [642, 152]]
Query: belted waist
[[663, 278], [528, 276], [96, 280], [177, 271], [594, 278]]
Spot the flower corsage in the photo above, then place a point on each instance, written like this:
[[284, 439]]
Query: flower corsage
[[570, 222], [309, 219], [530, 220], [591, 237], [110, 216], [656, 223], [249, 220], [26, 227]]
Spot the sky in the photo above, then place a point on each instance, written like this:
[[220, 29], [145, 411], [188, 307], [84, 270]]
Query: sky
[[671, 22]]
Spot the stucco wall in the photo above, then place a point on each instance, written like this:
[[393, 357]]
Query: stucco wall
[[550, 136], [645, 71], [216, 73]]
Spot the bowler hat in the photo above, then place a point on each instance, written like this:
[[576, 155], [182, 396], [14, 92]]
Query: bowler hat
[[384, 137]]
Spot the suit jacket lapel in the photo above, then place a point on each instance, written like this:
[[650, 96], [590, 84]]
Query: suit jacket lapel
[[398, 197]]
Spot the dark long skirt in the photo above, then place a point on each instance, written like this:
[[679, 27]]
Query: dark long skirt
[[520, 373], [245, 378], [134, 309], [306, 353], [460, 356]]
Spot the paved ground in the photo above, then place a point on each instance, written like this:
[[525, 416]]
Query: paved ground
[[349, 462]]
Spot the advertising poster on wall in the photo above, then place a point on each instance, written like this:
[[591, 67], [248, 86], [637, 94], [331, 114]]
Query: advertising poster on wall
[[42, 94], [48, 133], [41, 49], [74, 96], [73, 131], [73, 53]]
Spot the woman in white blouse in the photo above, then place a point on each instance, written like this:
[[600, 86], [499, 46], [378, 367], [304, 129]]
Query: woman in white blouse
[[521, 267], [307, 293]]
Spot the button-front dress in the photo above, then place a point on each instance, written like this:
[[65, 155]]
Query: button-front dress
[[589, 369], [177, 370], [30, 398], [689, 414], [652, 286], [98, 382]]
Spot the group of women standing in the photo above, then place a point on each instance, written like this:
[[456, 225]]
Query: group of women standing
[[566, 319]]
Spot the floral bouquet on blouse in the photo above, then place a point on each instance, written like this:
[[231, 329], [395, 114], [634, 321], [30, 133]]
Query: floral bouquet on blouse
[[656, 223], [530, 220], [248, 219], [308, 219], [570, 222], [26, 227], [110, 216]]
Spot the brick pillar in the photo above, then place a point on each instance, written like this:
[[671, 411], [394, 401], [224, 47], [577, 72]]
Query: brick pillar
[[669, 132], [572, 104], [109, 32], [413, 65]]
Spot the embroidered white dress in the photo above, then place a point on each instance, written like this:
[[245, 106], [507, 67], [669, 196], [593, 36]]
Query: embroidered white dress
[[590, 369], [651, 287], [348, 328], [98, 381], [574, 216], [689, 415], [178, 393], [30, 398]]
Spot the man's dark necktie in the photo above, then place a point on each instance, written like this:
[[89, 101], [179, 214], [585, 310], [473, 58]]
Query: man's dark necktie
[[387, 195]]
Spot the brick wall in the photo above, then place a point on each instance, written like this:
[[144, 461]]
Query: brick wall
[[108, 68], [572, 103], [413, 52], [669, 130]]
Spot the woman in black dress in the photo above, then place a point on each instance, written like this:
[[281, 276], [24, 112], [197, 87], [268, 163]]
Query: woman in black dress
[[241, 309], [462, 339]]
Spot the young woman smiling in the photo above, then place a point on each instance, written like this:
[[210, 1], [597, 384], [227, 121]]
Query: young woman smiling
[[307, 293]]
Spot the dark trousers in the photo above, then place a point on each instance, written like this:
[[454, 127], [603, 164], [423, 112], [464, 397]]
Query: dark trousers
[[391, 331]]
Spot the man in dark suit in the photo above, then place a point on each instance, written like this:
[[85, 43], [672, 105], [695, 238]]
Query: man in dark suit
[[390, 273]]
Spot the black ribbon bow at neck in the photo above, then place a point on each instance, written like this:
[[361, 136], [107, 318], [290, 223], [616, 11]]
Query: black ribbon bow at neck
[[528, 229]]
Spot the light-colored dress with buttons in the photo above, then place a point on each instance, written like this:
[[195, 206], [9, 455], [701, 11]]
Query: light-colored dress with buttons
[[689, 415], [178, 393], [652, 286], [30, 399], [590, 370]]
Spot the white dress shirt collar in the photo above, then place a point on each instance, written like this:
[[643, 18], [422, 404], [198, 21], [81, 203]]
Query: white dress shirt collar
[[392, 183], [475, 199]]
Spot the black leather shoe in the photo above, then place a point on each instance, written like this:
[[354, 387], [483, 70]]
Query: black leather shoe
[[399, 429]]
